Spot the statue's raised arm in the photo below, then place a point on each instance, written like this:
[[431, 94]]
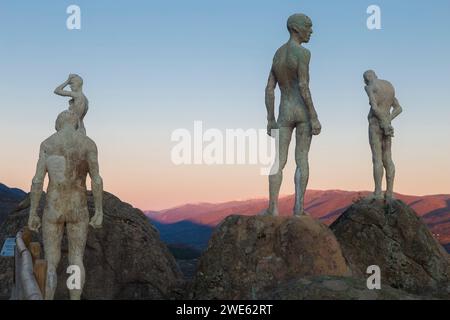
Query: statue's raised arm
[[79, 103], [65, 93]]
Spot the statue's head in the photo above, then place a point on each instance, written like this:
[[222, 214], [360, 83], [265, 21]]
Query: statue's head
[[66, 118], [75, 82], [369, 76], [300, 27]]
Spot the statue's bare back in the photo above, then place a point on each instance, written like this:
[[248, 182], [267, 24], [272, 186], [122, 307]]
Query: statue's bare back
[[67, 167], [286, 68], [384, 94]]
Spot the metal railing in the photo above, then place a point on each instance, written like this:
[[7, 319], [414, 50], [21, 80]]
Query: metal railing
[[30, 272]]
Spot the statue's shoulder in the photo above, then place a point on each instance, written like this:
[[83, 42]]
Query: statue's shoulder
[[49, 142], [87, 142], [385, 83], [303, 53], [299, 52], [384, 87], [304, 50], [280, 52]]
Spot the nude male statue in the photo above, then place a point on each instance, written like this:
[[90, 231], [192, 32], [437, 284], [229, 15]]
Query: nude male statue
[[79, 103], [382, 98], [67, 156], [290, 70]]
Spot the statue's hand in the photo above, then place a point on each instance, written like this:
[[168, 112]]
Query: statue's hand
[[34, 222], [316, 127], [96, 220], [271, 125], [388, 129]]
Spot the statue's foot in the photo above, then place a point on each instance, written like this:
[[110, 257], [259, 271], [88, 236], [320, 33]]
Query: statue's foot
[[301, 214], [269, 212], [389, 201], [389, 197], [376, 196], [75, 294]]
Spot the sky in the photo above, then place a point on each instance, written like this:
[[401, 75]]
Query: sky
[[151, 67]]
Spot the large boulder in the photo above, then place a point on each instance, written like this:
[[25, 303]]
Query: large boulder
[[125, 259], [391, 236], [332, 288], [246, 254]]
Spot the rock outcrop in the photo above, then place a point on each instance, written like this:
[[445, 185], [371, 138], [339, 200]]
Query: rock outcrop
[[393, 237], [332, 288], [125, 259], [246, 254]]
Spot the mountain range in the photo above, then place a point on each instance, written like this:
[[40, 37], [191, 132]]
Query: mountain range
[[192, 224], [9, 199]]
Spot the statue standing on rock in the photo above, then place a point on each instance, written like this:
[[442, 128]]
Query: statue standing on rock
[[290, 70], [382, 99], [67, 156]]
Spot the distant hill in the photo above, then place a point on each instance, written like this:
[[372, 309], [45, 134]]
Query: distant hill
[[184, 252], [447, 247], [184, 234], [193, 223], [9, 199]]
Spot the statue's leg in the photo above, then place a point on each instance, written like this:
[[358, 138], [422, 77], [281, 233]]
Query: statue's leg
[[375, 139], [303, 142], [77, 236], [275, 180], [52, 233], [389, 166]]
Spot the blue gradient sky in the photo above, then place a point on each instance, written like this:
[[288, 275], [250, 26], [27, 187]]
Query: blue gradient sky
[[153, 66]]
